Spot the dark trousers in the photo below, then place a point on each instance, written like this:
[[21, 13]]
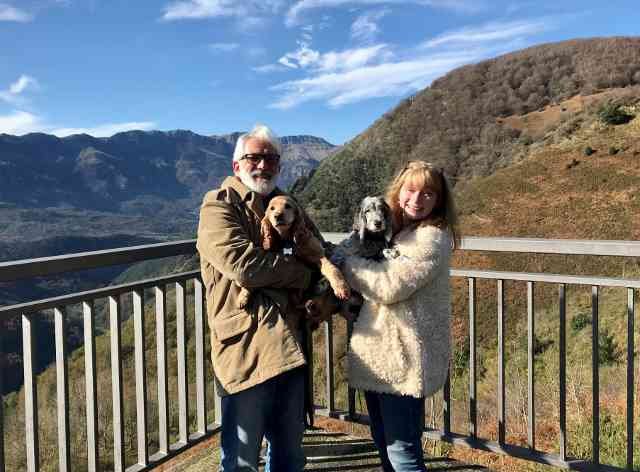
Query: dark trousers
[[396, 423], [273, 409]]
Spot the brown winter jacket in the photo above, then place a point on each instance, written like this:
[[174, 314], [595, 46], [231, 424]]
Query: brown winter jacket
[[254, 344]]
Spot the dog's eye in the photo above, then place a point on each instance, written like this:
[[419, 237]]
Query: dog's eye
[[287, 206], [272, 208]]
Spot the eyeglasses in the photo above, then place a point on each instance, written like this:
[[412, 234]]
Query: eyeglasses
[[269, 159]]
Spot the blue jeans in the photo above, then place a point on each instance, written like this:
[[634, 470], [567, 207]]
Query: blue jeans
[[396, 423], [273, 409]]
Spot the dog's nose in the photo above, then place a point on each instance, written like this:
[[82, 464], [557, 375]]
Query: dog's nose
[[378, 224]]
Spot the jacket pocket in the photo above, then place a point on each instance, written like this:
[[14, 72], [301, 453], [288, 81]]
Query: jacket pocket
[[232, 324]]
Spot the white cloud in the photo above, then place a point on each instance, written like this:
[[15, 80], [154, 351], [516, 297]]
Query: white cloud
[[306, 58], [197, 9], [490, 32], [303, 57], [294, 14], [365, 27], [382, 80], [13, 95], [9, 13], [353, 75], [19, 123], [267, 68], [223, 47], [105, 130], [22, 83]]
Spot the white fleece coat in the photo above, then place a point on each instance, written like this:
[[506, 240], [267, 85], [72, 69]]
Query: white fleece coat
[[401, 340]]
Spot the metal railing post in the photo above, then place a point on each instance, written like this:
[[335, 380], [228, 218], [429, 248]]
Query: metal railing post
[[201, 399], [181, 346], [116, 384], [328, 350], [501, 362], [62, 386], [161, 352], [630, 374], [473, 412], [91, 388], [531, 341], [30, 396], [562, 366], [595, 346], [141, 376]]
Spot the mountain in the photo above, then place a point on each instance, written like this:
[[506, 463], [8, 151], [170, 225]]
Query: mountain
[[135, 172], [461, 121]]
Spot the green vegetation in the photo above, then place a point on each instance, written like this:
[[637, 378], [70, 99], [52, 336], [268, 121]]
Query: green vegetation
[[614, 114], [580, 321]]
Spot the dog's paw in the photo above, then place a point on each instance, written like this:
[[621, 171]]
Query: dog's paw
[[341, 289], [243, 298]]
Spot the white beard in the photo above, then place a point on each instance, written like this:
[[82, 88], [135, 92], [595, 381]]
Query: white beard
[[260, 187]]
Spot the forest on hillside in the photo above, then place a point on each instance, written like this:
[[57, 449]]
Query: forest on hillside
[[454, 122]]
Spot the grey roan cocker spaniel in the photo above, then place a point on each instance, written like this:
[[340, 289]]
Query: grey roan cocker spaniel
[[370, 238]]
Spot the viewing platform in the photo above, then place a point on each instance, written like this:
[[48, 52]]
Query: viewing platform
[[136, 392]]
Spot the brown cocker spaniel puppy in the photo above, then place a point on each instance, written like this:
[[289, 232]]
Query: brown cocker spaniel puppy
[[283, 228]]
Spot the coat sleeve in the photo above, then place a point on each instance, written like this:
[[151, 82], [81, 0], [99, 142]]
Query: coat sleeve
[[225, 244], [393, 280]]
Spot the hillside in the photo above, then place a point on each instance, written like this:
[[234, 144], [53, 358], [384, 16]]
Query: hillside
[[459, 121]]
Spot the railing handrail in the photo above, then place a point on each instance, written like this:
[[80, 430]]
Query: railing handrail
[[547, 278], [45, 266], [586, 247], [77, 297]]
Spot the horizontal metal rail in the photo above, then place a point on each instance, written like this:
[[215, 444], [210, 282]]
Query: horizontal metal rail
[[39, 305], [553, 246], [45, 266], [551, 278]]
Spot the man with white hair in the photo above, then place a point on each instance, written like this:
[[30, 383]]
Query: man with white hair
[[257, 350]]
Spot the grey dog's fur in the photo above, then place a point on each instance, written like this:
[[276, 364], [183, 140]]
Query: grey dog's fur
[[371, 233]]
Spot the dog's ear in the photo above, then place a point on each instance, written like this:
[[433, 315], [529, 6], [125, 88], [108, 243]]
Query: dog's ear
[[359, 224], [299, 230], [269, 234], [388, 223]]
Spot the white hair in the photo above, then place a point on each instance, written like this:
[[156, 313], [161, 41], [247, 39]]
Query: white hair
[[261, 132]]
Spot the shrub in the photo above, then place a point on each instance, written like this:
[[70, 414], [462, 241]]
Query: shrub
[[608, 350], [588, 151], [461, 359], [580, 321], [613, 114]]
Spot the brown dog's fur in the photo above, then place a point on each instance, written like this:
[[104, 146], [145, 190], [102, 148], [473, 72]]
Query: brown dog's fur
[[284, 222]]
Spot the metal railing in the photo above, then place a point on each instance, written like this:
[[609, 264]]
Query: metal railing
[[146, 460], [501, 446], [28, 311]]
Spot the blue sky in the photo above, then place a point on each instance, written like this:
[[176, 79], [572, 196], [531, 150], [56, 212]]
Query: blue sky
[[328, 68]]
